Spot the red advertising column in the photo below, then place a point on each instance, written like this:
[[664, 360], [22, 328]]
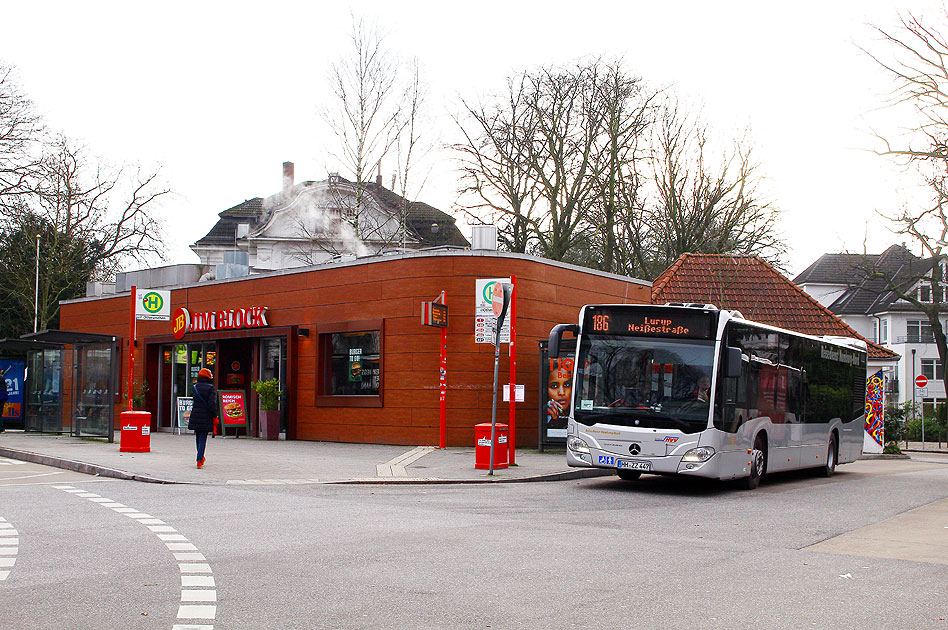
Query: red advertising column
[[512, 350], [443, 382], [131, 347]]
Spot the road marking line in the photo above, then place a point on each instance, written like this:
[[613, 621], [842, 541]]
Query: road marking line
[[32, 476], [397, 467], [186, 556], [12, 462], [196, 612], [197, 580], [9, 549], [198, 596], [175, 542], [194, 567]]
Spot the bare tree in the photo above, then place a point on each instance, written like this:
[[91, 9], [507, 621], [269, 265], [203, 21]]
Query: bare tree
[[494, 167], [703, 205], [20, 133], [90, 220], [916, 59]]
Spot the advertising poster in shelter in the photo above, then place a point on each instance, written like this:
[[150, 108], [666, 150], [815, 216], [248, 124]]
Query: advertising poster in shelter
[[555, 388], [12, 375]]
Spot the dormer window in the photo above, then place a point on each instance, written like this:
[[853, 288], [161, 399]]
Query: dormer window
[[924, 293]]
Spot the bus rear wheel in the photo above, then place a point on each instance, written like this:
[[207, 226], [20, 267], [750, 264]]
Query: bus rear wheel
[[829, 468], [628, 475], [758, 464]]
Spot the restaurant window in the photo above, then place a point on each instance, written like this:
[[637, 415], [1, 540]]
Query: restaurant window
[[354, 366]]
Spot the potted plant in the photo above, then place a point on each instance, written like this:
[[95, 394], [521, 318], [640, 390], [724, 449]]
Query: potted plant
[[269, 395]]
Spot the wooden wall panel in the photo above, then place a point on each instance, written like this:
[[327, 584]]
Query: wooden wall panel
[[393, 290]]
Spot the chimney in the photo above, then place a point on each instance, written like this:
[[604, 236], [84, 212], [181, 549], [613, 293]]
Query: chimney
[[378, 177], [287, 176]]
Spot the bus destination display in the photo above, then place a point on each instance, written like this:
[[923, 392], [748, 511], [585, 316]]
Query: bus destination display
[[648, 322]]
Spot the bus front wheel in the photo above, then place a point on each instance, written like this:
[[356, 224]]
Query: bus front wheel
[[829, 468], [758, 464], [628, 475]]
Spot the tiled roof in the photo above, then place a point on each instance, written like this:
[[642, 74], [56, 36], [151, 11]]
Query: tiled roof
[[757, 290], [869, 294], [835, 269]]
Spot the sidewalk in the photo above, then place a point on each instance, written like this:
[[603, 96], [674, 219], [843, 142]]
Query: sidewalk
[[246, 461]]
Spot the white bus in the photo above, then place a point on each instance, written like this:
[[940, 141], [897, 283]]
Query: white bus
[[687, 389]]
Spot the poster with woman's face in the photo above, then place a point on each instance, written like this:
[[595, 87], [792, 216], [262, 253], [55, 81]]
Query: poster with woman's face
[[558, 390]]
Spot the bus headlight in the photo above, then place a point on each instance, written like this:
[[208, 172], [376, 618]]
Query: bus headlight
[[576, 445], [700, 454]]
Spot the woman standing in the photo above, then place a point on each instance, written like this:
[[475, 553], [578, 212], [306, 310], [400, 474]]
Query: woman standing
[[203, 411]]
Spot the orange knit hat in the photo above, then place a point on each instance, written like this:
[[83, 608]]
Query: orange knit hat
[[206, 373]]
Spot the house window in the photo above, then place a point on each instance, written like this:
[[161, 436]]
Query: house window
[[924, 293], [919, 331], [931, 369], [875, 331], [885, 332]]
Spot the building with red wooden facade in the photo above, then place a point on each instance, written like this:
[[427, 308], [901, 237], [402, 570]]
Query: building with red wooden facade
[[347, 343]]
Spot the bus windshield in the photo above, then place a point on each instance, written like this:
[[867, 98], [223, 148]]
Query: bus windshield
[[644, 382]]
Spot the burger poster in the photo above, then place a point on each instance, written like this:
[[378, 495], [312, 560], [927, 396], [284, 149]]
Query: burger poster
[[233, 407]]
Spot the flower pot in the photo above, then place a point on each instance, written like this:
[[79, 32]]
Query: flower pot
[[270, 424]]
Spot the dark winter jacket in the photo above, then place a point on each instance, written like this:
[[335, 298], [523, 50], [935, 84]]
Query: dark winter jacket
[[204, 405]]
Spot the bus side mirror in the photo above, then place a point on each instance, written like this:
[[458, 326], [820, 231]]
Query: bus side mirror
[[556, 335], [732, 362]]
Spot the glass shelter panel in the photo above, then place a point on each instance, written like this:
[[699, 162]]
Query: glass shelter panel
[[93, 412], [44, 391]]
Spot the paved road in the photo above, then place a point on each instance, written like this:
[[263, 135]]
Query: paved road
[[598, 553]]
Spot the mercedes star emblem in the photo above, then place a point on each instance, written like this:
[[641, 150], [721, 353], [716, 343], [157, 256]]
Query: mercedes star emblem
[[635, 448]]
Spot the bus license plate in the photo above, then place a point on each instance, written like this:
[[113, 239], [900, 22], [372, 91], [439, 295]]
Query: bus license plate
[[632, 465]]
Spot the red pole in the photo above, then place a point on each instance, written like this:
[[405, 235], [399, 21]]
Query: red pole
[[131, 347], [512, 349], [443, 383]]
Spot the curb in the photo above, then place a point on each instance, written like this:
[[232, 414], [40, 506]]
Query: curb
[[560, 476], [80, 467]]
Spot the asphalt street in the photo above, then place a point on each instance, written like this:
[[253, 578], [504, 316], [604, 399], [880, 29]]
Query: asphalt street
[[596, 553]]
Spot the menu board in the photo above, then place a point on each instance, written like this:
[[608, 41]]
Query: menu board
[[185, 403], [233, 409]]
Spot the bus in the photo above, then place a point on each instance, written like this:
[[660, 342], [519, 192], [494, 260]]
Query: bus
[[691, 390]]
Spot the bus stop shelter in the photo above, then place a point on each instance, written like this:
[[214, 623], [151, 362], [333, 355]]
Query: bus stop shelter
[[71, 381]]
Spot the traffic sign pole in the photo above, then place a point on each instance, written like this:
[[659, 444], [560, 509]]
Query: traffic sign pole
[[131, 347]]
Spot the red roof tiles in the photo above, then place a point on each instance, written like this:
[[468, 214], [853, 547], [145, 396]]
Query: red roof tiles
[[753, 287]]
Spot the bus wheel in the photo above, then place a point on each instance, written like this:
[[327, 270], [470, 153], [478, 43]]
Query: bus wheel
[[628, 475], [830, 467], [758, 464]]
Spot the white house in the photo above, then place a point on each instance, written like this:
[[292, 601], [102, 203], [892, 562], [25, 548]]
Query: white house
[[315, 222], [841, 282]]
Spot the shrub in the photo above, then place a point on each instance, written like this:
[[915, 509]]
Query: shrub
[[269, 392]]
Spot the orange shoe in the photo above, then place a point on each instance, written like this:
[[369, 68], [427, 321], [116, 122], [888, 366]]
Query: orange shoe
[[200, 463]]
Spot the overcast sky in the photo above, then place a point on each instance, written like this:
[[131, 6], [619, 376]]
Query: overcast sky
[[220, 94]]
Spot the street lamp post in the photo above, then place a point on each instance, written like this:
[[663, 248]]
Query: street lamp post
[[36, 295]]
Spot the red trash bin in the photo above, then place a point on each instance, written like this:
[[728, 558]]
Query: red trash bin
[[136, 432], [482, 446]]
